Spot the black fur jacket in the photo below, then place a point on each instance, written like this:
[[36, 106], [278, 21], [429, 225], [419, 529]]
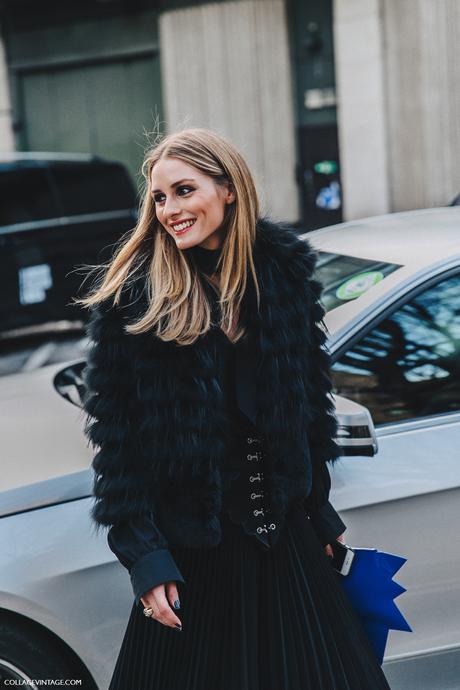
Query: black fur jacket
[[155, 412]]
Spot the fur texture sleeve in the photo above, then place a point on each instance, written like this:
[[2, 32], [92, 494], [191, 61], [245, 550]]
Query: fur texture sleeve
[[113, 409], [323, 426]]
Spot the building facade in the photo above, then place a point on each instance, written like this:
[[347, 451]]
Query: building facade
[[343, 108]]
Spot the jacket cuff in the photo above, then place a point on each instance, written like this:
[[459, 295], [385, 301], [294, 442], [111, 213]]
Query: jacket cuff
[[155, 568], [327, 523]]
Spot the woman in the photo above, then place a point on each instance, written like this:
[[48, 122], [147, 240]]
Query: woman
[[208, 400]]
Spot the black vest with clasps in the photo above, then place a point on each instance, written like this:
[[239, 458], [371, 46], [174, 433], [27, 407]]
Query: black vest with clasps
[[244, 470]]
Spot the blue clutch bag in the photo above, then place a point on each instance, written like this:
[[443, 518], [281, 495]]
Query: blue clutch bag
[[371, 591]]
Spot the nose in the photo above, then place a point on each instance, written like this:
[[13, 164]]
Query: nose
[[171, 208]]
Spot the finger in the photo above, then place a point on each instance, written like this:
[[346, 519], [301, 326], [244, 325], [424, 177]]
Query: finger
[[165, 614], [328, 550], [149, 602], [172, 594]]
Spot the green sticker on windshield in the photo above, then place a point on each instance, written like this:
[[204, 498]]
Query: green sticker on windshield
[[359, 284]]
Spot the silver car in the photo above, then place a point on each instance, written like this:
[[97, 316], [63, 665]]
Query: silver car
[[392, 294]]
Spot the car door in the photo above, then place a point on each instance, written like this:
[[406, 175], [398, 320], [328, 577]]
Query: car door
[[405, 368]]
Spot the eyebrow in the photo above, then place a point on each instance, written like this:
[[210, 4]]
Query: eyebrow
[[175, 184]]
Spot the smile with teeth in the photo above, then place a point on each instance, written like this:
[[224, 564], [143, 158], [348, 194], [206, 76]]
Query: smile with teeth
[[181, 227]]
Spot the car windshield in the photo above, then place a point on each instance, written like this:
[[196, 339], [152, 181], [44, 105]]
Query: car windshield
[[347, 277]]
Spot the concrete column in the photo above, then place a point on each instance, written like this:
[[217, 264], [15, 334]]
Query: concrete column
[[226, 66], [6, 121], [399, 103], [359, 70], [422, 39]]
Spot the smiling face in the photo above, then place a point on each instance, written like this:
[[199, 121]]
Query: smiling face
[[189, 204]]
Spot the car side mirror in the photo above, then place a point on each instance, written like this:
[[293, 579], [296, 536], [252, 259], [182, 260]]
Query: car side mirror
[[69, 383], [356, 434]]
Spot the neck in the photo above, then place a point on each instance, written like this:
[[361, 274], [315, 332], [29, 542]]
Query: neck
[[206, 259]]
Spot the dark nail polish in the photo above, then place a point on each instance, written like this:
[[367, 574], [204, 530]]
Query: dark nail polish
[[177, 604], [178, 627]]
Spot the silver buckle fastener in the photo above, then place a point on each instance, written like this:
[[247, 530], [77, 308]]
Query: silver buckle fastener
[[271, 526], [254, 495], [252, 457], [256, 477], [258, 512]]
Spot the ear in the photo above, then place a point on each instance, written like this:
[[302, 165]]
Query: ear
[[230, 194]]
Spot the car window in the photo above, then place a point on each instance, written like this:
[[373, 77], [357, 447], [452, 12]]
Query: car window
[[33, 192], [51, 230], [345, 277], [92, 188], [408, 366], [26, 195]]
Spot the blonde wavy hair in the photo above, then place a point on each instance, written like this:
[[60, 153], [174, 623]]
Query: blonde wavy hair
[[178, 307]]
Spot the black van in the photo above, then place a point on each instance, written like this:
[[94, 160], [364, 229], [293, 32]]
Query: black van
[[57, 212]]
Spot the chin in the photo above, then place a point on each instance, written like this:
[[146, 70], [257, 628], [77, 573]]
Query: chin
[[186, 242]]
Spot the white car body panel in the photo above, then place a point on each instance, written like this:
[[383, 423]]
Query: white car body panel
[[56, 571], [30, 408]]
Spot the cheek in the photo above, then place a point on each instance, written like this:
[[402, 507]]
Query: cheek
[[215, 209], [159, 215]]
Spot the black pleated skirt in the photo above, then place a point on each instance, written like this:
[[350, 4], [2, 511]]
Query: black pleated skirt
[[253, 619]]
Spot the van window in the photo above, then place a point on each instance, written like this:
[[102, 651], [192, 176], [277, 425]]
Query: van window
[[26, 195], [92, 188]]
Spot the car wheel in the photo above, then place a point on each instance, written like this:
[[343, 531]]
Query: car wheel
[[26, 654]]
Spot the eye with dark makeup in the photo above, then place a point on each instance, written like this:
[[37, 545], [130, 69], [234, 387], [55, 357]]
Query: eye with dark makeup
[[180, 191]]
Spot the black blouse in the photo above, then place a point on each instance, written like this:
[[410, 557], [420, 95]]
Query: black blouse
[[139, 545]]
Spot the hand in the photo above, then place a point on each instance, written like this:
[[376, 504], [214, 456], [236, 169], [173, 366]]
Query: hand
[[328, 547], [161, 599]]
